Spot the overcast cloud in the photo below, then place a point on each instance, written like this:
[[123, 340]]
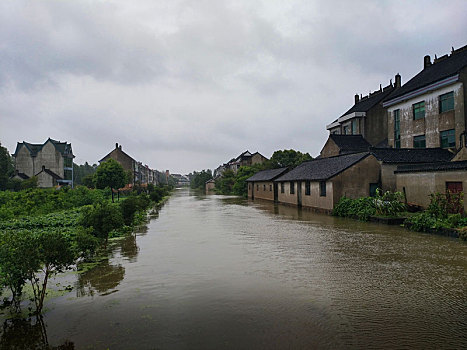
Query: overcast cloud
[[187, 85]]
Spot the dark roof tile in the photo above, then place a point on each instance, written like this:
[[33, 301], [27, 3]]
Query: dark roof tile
[[350, 143], [267, 175], [442, 69], [323, 168], [366, 103], [411, 155], [430, 167]]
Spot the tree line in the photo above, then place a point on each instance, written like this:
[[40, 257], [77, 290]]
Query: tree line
[[235, 183]]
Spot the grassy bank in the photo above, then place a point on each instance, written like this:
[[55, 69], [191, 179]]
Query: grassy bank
[[443, 215]]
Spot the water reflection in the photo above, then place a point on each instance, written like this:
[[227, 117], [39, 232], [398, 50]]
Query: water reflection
[[99, 279], [28, 334]]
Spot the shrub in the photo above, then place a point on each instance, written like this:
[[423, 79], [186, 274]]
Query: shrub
[[389, 203], [102, 217], [361, 208], [133, 204]]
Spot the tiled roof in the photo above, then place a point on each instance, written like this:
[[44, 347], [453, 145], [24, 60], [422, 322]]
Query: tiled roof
[[430, 167], [366, 103], [51, 173], [267, 175], [350, 143], [441, 69], [323, 168], [63, 147], [23, 176], [411, 155]]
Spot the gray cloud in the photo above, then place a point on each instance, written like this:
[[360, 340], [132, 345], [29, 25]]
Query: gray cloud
[[187, 85]]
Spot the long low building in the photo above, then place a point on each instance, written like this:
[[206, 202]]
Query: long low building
[[418, 181], [320, 183], [262, 185]]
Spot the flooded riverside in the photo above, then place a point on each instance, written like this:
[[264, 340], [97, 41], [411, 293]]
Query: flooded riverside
[[214, 272]]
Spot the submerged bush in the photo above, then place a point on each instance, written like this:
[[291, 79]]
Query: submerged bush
[[102, 217], [133, 204], [361, 208]]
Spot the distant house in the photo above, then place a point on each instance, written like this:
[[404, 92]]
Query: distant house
[[320, 183], [429, 111], [343, 144], [210, 185], [181, 180], [127, 162], [246, 159], [53, 160], [262, 185], [367, 117], [417, 181]]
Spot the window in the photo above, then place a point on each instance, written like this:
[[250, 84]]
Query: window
[[270, 187], [264, 187], [249, 186], [354, 127], [68, 175], [418, 110], [282, 187], [257, 187], [292, 187], [346, 130], [397, 129], [373, 188], [454, 187], [447, 138], [322, 188], [67, 162], [446, 102], [307, 188], [419, 141]]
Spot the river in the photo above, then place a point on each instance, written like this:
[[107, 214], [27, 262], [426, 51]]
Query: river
[[214, 272]]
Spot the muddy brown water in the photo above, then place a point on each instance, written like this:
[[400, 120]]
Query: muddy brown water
[[214, 272]]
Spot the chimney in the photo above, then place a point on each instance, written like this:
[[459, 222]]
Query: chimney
[[398, 81], [116, 145], [357, 98], [120, 147], [43, 167], [426, 61]]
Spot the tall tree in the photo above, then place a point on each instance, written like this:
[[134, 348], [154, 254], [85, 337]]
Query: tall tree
[[110, 174], [6, 167], [288, 158]]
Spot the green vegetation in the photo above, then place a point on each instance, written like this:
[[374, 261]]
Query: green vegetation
[[6, 168], [47, 231], [387, 204], [444, 212], [235, 183], [83, 174], [110, 174], [288, 158], [198, 179]]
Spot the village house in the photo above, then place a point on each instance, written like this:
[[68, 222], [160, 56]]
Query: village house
[[429, 110], [320, 183], [141, 173], [262, 185], [367, 117], [210, 186], [391, 158], [246, 159], [418, 181], [51, 162], [343, 144]]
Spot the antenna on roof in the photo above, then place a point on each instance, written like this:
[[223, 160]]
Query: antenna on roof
[[452, 49], [436, 57]]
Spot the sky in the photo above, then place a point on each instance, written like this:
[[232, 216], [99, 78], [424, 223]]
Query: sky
[[188, 85]]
